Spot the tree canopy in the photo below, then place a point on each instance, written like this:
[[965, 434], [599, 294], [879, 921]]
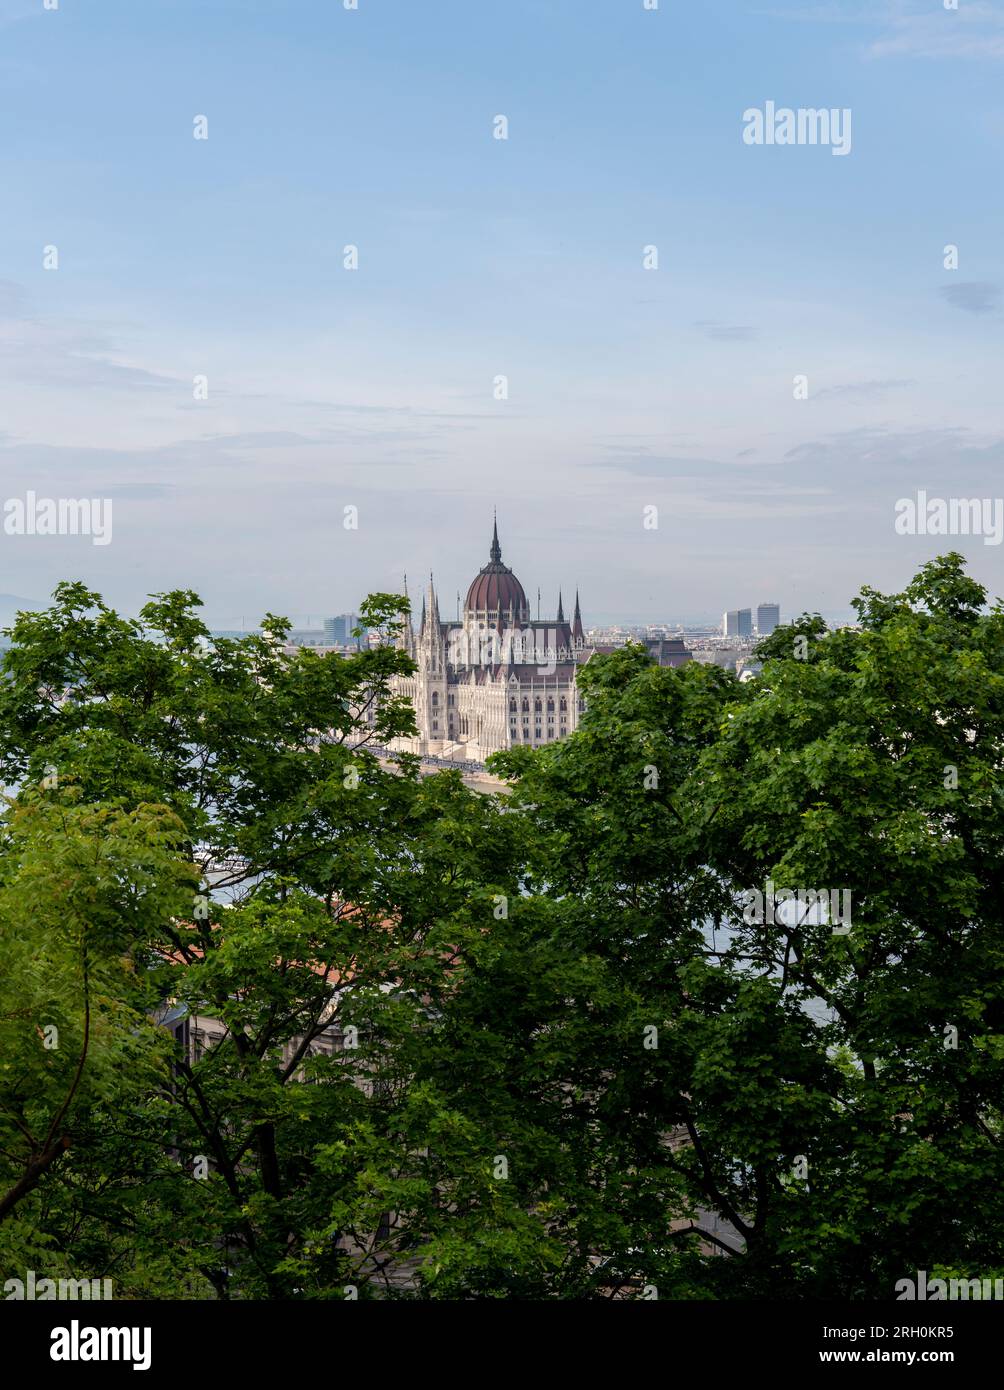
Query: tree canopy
[[707, 1004]]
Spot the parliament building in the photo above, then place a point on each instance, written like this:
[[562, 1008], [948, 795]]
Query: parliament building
[[495, 677]]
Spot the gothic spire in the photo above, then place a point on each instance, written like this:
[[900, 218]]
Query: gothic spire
[[496, 551], [561, 611], [405, 639]]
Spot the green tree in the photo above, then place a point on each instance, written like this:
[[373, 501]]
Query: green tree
[[576, 1056], [81, 890], [347, 883], [831, 1088], [872, 765]]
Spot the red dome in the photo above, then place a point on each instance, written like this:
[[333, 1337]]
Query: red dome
[[496, 587]]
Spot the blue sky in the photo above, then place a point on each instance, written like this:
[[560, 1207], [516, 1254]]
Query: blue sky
[[374, 388]]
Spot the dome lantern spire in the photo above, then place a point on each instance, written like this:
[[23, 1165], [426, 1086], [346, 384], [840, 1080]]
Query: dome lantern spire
[[495, 588]]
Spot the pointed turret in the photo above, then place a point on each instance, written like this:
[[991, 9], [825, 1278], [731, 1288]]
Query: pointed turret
[[578, 636], [496, 551], [406, 638], [561, 611], [430, 605]]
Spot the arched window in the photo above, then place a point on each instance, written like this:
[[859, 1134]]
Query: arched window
[[564, 704], [512, 706], [550, 706], [526, 705], [435, 698]]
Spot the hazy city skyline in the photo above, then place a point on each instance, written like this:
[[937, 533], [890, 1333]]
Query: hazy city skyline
[[628, 388]]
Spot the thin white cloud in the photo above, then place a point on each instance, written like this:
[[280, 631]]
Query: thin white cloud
[[974, 30], [864, 388], [43, 351], [727, 332], [908, 29]]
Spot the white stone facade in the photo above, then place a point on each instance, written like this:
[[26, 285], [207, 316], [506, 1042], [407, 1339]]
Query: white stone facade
[[494, 679]]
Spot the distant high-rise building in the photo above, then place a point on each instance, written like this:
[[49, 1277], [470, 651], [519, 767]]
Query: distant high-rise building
[[745, 622], [338, 631], [768, 616], [737, 622]]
